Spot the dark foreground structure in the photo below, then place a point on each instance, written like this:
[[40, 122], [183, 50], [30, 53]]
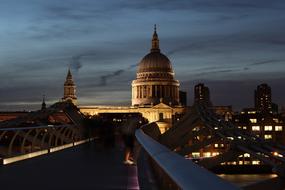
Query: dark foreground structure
[[83, 167]]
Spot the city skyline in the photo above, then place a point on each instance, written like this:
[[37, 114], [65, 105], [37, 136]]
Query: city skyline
[[229, 46]]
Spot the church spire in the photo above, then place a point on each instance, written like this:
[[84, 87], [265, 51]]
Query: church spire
[[69, 75], [44, 106], [155, 41]]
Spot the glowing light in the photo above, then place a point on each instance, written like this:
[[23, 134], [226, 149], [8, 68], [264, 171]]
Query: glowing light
[[23, 157], [255, 128], [42, 152], [215, 153], [268, 128], [277, 154], [255, 162], [61, 147], [246, 155], [196, 154], [207, 154], [278, 128], [267, 136]]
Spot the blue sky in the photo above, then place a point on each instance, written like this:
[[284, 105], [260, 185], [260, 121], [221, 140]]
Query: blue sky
[[231, 46]]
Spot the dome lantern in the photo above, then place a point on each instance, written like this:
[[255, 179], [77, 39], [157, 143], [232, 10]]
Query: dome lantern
[[155, 41]]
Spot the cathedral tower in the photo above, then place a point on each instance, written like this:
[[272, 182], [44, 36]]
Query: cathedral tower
[[69, 89]]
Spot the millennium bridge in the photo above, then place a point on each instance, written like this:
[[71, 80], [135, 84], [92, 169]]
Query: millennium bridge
[[37, 155]]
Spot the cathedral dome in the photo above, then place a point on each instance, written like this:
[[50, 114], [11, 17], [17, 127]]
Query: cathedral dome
[[155, 62], [155, 81]]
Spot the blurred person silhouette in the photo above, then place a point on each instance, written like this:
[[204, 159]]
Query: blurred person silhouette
[[128, 136]]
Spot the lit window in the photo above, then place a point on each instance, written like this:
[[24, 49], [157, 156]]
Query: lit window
[[276, 120], [278, 128], [253, 120], [196, 154], [246, 155], [216, 145], [267, 136], [207, 154], [255, 162], [215, 154], [268, 128], [255, 128], [244, 127], [246, 162], [222, 145], [196, 129], [240, 162]]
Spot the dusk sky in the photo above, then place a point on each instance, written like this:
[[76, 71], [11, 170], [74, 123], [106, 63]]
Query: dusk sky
[[230, 45]]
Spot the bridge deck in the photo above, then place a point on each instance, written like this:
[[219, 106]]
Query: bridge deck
[[82, 167]]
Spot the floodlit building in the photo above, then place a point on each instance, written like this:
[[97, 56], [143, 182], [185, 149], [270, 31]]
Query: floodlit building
[[155, 81], [69, 89], [155, 91]]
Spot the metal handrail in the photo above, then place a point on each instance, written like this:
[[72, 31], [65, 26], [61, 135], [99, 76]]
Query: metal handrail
[[36, 127], [184, 173]]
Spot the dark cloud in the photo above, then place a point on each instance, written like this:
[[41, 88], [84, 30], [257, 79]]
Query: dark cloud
[[266, 62], [76, 61], [104, 79]]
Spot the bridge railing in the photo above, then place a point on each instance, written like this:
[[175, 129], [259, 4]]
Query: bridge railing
[[176, 172], [27, 142]]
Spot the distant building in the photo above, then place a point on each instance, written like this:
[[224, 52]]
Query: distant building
[[183, 98], [262, 98], [69, 89], [275, 108], [4, 116], [268, 126], [225, 111], [263, 120], [202, 94]]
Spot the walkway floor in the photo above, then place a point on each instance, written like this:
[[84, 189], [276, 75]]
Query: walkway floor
[[80, 168]]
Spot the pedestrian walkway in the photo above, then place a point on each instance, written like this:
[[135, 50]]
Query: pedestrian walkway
[[83, 167]]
